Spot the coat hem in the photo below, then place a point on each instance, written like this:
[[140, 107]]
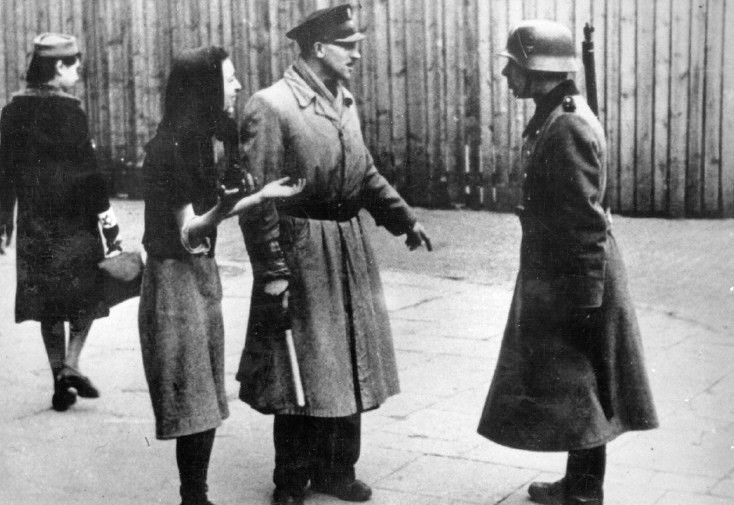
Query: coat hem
[[553, 448]]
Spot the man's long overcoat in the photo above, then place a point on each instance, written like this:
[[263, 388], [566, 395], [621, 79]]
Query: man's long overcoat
[[337, 309], [570, 373]]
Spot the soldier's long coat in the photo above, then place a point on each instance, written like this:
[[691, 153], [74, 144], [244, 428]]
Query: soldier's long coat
[[337, 309], [571, 373]]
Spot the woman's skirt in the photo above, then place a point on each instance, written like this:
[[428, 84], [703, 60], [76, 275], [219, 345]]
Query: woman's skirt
[[182, 341]]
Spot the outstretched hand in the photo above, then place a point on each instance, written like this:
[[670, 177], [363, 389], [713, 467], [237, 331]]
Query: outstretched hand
[[416, 237], [283, 188]]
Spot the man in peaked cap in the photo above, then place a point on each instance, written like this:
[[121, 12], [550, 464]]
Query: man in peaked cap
[[315, 250], [570, 375]]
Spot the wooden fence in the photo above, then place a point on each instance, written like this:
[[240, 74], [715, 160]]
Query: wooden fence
[[436, 112]]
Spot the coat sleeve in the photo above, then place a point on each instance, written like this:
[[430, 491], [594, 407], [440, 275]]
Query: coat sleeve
[[263, 158], [7, 170], [575, 165], [384, 203]]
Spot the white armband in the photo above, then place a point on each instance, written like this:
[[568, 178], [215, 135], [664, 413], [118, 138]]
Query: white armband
[[107, 219]]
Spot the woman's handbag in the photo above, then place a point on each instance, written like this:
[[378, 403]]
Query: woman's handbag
[[123, 274]]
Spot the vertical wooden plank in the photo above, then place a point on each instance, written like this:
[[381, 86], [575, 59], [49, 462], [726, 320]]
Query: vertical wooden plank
[[415, 47], [727, 115], [53, 13], [226, 10], [644, 105], [396, 16], [42, 22], [694, 172], [506, 185], [628, 93], [140, 53], [116, 89], [712, 108], [383, 130], [4, 93], [216, 28], [366, 74], [274, 40], [451, 57], [546, 9], [598, 21], [484, 63], [680, 57], [515, 111], [613, 112], [97, 17], [459, 103], [661, 93], [472, 104]]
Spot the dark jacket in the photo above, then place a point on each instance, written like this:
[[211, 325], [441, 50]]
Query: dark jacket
[[571, 372], [338, 314], [47, 163]]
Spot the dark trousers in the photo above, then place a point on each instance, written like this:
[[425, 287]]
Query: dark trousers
[[585, 470], [320, 449]]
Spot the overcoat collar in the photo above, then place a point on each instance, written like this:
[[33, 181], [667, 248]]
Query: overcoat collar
[[309, 89], [44, 92], [549, 102]]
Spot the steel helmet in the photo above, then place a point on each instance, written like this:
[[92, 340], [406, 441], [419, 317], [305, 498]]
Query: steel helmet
[[541, 45]]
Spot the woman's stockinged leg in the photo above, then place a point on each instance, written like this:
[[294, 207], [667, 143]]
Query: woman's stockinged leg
[[192, 455], [78, 331], [54, 339]]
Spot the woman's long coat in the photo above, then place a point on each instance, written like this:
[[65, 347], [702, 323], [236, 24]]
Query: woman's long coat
[[47, 163], [571, 373], [337, 309]]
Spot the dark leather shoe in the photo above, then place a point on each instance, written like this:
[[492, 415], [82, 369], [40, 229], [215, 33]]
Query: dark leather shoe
[[555, 493], [355, 490], [62, 399], [284, 497], [71, 378], [548, 493]]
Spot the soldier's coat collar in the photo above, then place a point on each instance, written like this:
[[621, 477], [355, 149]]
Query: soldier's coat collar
[[44, 92], [308, 89], [553, 99]]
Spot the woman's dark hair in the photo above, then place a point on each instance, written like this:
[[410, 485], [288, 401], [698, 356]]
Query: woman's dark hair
[[194, 99], [43, 68]]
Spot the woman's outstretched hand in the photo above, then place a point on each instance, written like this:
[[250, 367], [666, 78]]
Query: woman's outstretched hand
[[282, 188]]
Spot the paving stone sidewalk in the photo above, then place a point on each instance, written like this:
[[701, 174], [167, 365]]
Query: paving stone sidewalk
[[420, 448]]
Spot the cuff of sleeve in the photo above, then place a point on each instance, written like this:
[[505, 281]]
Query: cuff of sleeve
[[202, 248]]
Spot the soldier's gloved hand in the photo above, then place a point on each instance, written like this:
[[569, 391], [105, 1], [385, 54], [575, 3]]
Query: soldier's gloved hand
[[276, 292], [416, 237]]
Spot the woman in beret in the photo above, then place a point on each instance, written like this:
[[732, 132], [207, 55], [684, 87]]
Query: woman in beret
[[47, 164], [180, 317]]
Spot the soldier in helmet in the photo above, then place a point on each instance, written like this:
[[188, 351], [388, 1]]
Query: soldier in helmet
[[570, 375]]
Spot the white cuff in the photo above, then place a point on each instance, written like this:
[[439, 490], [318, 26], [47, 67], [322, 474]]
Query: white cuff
[[107, 218], [202, 248]]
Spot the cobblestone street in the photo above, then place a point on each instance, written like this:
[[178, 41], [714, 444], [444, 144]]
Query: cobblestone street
[[448, 311]]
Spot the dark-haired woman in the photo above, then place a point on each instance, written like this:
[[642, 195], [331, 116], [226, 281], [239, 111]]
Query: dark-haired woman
[[180, 318], [48, 165]]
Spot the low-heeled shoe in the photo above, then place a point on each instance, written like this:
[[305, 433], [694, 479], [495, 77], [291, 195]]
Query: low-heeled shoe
[[71, 378]]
